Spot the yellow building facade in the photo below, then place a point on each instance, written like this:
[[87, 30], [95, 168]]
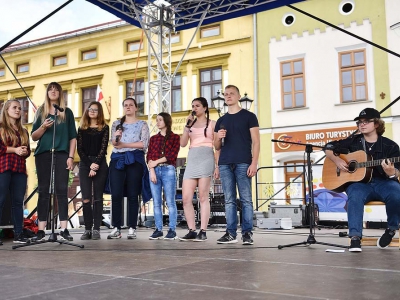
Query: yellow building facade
[[108, 56]]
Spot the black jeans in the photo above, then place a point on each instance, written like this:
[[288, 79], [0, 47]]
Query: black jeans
[[61, 175], [92, 190], [15, 184], [130, 180]]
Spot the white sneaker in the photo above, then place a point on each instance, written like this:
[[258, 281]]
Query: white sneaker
[[131, 233], [115, 234]]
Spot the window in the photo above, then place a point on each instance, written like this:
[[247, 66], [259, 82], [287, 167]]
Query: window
[[134, 46], [89, 54], [88, 95], [210, 31], [210, 83], [1, 104], [138, 93], [23, 68], [24, 109], [176, 93], [353, 76], [292, 83], [2, 72], [60, 60], [175, 38]]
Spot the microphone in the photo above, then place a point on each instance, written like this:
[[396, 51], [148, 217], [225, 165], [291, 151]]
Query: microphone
[[58, 107], [222, 126], [190, 121], [118, 137]]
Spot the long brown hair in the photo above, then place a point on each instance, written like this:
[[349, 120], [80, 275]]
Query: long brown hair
[[168, 123], [204, 103], [85, 120], [44, 109], [7, 132]]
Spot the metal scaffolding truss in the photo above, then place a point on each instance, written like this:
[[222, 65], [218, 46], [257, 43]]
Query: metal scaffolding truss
[[160, 18]]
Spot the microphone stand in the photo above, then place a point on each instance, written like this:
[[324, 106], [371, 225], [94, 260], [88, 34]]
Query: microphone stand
[[53, 235], [311, 238]]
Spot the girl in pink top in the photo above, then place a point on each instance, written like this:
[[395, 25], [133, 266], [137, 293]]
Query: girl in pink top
[[201, 166]]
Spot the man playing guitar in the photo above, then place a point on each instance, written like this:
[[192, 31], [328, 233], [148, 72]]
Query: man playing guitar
[[383, 185]]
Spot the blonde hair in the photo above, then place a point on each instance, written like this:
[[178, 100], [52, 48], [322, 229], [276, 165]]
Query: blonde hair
[[85, 120], [44, 109], [7, 131]]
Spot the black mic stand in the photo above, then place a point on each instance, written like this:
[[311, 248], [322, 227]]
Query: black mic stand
[[311, 237], [53, 235]]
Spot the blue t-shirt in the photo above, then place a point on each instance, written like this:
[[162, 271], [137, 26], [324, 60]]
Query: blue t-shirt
[[237, 143]]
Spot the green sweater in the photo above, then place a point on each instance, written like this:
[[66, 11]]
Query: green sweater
[[65, 132]]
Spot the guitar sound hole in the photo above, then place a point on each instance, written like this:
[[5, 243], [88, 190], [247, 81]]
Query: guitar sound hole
[[352, 166]]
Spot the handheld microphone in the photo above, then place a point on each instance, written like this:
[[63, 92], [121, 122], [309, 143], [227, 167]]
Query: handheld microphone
[[222, 126], [190, 121], [57, 107], [118, 137]]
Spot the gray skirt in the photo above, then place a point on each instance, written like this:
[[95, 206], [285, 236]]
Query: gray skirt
[[200, 163]]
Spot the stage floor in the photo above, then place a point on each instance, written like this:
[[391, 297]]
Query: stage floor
[[145, 269]]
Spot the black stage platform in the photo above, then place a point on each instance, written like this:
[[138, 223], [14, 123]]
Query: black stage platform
[[144, 269]]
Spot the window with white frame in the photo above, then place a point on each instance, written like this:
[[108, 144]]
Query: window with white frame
[[138, 93], [176, 93]]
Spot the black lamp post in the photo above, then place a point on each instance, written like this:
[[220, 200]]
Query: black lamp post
[[245, 102], [219, 104]]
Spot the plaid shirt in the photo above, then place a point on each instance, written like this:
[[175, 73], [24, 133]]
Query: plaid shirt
[[171, 150], [11, 161]]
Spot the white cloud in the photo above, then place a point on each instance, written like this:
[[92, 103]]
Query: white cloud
[[18, 15]]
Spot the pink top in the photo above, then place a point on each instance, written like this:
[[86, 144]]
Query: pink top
[[197, 138]]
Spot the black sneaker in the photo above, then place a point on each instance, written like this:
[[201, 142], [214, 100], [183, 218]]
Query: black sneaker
[[20, 239], [65, 236], [189, 237], [355, 244], [247, 238], [201, 236], [157, 235], [96, 234], [227, 238], [171, 235], [87, 235], [40, 236], [385, 240]]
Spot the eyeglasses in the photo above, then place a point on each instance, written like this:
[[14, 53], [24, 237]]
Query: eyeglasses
[[93, 110], [364, 122]]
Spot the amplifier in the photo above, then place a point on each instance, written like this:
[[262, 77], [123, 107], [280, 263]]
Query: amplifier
[[218, 199]]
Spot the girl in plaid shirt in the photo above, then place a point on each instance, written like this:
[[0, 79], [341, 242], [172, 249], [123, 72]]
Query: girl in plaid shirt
[[14, 149]]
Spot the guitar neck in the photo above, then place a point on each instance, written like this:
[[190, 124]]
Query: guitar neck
[[374, 163]]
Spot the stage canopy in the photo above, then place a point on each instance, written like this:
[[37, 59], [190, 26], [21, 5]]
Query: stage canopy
[[188, 13]]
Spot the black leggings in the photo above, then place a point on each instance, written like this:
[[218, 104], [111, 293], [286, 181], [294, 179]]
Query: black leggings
[[61, 175]]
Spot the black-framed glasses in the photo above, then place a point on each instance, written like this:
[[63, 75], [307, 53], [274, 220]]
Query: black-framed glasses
[[364, 122], [93, 109]]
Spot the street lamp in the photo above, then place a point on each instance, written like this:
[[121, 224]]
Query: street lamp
[[219, 104], [222, 107], [245, 102]]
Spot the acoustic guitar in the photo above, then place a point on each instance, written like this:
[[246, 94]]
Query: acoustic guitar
[[360, 166]]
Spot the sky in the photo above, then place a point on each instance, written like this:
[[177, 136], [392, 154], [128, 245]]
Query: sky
[[19, 15]]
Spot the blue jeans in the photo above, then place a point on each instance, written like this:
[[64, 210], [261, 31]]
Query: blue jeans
[[232, 175], [15, 184], [358, 193], [166, 179]]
